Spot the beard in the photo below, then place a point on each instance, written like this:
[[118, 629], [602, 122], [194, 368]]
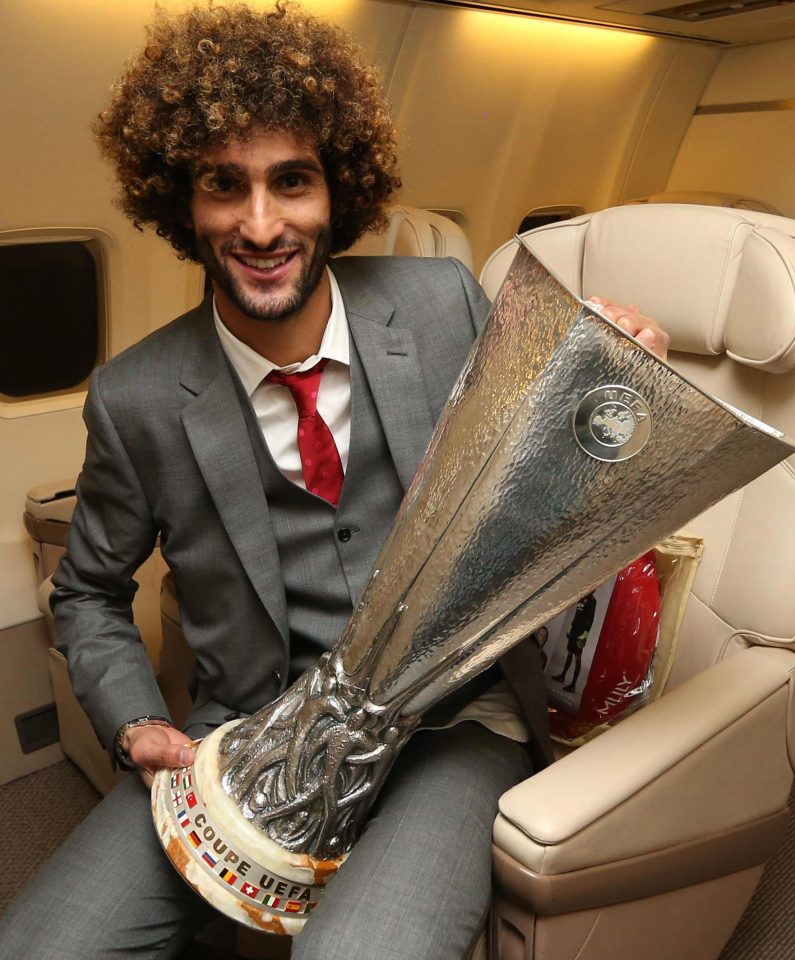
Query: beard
[[269, 308]]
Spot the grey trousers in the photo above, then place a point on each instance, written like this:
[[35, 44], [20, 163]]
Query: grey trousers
[[415, 887]]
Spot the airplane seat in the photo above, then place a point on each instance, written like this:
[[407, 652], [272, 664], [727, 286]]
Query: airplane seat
[[708, 198], [48, 513], [413, 232], [649, 840]]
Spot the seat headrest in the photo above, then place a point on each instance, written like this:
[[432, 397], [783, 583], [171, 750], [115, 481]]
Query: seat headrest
[[709, 198], [718, 280], [413, 232]]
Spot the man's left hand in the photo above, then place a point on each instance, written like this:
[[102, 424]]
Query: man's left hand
[[645, 330]]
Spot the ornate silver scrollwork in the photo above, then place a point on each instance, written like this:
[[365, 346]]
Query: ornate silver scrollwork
[[306, 770]]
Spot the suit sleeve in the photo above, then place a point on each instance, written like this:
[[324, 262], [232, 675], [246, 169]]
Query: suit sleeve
[[477, 300], [112, 533]]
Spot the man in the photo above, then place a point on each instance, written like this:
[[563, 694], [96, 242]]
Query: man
[[576, 638], [258, 145]]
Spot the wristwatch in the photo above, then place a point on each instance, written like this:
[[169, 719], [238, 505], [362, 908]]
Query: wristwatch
[[123, 758]]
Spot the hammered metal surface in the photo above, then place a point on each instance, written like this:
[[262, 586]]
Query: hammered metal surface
[[507, 522]]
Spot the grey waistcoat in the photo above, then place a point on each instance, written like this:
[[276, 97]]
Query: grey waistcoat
[[326, 554]]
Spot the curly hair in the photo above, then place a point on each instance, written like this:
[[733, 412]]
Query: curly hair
[[210, 74]]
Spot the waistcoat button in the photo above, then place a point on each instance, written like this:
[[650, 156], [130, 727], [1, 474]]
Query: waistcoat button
[[344, 534]]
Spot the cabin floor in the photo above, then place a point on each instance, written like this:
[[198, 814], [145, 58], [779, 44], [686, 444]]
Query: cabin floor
[[28, 836]]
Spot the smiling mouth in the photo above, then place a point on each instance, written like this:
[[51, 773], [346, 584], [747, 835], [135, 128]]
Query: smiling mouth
[[264, 263]]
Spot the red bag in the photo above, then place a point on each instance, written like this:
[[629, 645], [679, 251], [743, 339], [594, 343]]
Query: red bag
[[609, 638]]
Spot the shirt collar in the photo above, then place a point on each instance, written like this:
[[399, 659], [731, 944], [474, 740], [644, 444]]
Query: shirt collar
[[252, 368]]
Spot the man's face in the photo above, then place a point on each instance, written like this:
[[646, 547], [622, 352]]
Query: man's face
[[261, 213]]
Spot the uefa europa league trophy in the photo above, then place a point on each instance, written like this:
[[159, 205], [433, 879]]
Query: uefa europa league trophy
[[565, 451]]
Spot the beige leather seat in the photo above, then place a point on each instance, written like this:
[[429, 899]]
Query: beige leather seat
[[648, 841], [413, 232]]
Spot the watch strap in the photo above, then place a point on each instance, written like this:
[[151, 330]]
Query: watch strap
[[123, 758]]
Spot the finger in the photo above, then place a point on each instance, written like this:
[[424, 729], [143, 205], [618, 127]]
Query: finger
[[147, 776], [613, 309], [623, 317], [631, 322], [651, 336], [154, 753], [655, 340], [629, 318]]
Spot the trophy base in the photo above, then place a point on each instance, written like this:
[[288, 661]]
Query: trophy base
[[224, 858]]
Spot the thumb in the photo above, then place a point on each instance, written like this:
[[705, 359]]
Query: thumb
[[157, 746]]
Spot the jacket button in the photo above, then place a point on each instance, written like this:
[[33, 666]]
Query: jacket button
[[344, 534], [276, 676]]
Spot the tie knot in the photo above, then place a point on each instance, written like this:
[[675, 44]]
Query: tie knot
[[303, 385]]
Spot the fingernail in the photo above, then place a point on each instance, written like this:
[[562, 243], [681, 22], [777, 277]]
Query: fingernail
[[186, 757]]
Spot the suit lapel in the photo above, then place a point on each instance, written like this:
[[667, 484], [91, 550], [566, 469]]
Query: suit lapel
[[392, 366], [216, 428]]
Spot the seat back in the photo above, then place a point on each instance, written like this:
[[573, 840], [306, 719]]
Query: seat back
[[413, 232], [722, 283], [709, 198]]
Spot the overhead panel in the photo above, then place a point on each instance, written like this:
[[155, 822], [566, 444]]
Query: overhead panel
[[728, 21], [714, 9], [723, 22]]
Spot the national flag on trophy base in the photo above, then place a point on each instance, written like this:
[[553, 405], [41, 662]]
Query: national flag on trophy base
[[191, 799], [227, 876], [249, 890]]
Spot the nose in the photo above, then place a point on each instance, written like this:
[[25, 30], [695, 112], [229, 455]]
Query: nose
[[262, 221]]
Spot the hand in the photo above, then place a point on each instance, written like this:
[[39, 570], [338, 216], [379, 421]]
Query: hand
[[644, 329], [152, 747]]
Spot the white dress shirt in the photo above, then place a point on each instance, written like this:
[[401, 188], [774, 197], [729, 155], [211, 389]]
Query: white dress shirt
[[273, 403]]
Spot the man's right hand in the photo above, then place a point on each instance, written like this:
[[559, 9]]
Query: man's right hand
[[152, 747]]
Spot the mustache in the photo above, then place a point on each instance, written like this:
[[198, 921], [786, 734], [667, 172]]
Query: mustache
[[243, 248]]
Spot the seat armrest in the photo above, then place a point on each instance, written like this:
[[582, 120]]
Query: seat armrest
[[53, 502], [705, 759]]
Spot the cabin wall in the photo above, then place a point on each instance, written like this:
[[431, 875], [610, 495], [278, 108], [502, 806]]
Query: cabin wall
[[747, 148], [501, 113], [498, 114]]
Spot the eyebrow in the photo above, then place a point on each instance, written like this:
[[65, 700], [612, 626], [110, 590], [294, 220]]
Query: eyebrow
[[295, 163], [307, 162]]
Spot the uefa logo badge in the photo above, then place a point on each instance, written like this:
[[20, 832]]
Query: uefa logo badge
[[612, 423]]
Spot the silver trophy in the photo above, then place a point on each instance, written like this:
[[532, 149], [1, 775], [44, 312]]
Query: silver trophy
[[565, 451]]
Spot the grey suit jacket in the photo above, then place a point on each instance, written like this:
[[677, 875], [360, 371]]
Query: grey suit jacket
[[168, 454]]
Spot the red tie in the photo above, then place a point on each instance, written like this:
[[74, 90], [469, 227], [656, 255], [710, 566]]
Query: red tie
[[320, 458]]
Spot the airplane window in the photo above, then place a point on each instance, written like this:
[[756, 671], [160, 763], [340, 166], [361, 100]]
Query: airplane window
[[542, 216], [51, 316]]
